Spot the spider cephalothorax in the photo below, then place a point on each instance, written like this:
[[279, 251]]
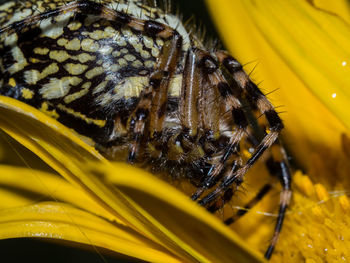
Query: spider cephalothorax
[[129, 76]]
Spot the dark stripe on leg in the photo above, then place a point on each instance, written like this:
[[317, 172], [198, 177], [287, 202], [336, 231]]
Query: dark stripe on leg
[[274, 120], [232, 64], [227, 196], [153, 28], [239, 118], [253, 91], [263, 191], [285, 179], [257, 154], [279, 224], [208, 64]]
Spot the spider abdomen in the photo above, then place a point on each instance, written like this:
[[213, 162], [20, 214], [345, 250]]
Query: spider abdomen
[[83, 70]]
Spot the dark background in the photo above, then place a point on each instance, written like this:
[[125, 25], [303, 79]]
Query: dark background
[[37, 250]]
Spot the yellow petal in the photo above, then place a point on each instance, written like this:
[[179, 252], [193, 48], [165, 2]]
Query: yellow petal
[[341, 8], [184, 220], [64, 222], [298, 51], [31, 186], [149, 206], [15, 154]]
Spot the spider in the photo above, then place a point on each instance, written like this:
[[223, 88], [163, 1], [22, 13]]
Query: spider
[[130, 76]]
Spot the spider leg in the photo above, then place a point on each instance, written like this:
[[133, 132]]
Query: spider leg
[[285, 179], [274, 169], [159, 81], [220, 203], [199, 112], [208, 106], [185, 143], [262, 192], [152, 105], [137, 122], [189, 95], [210, 103], [237, 177], [256, 98], [182, 145], [227, 195], [258, 101], [219, 88], [285, 196]]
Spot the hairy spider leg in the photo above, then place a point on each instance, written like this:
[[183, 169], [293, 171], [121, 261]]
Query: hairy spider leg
[[274, 169], [275, 125], [137, 122], [183, 143], [152, 105], [189, 95], [279, 156], [210, 70], [160, 81], [199, 112], [242, 211], [258, 101]]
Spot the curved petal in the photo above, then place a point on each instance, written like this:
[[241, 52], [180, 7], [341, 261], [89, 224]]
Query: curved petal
[[29, 186], [186, 222], [64, 222]]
